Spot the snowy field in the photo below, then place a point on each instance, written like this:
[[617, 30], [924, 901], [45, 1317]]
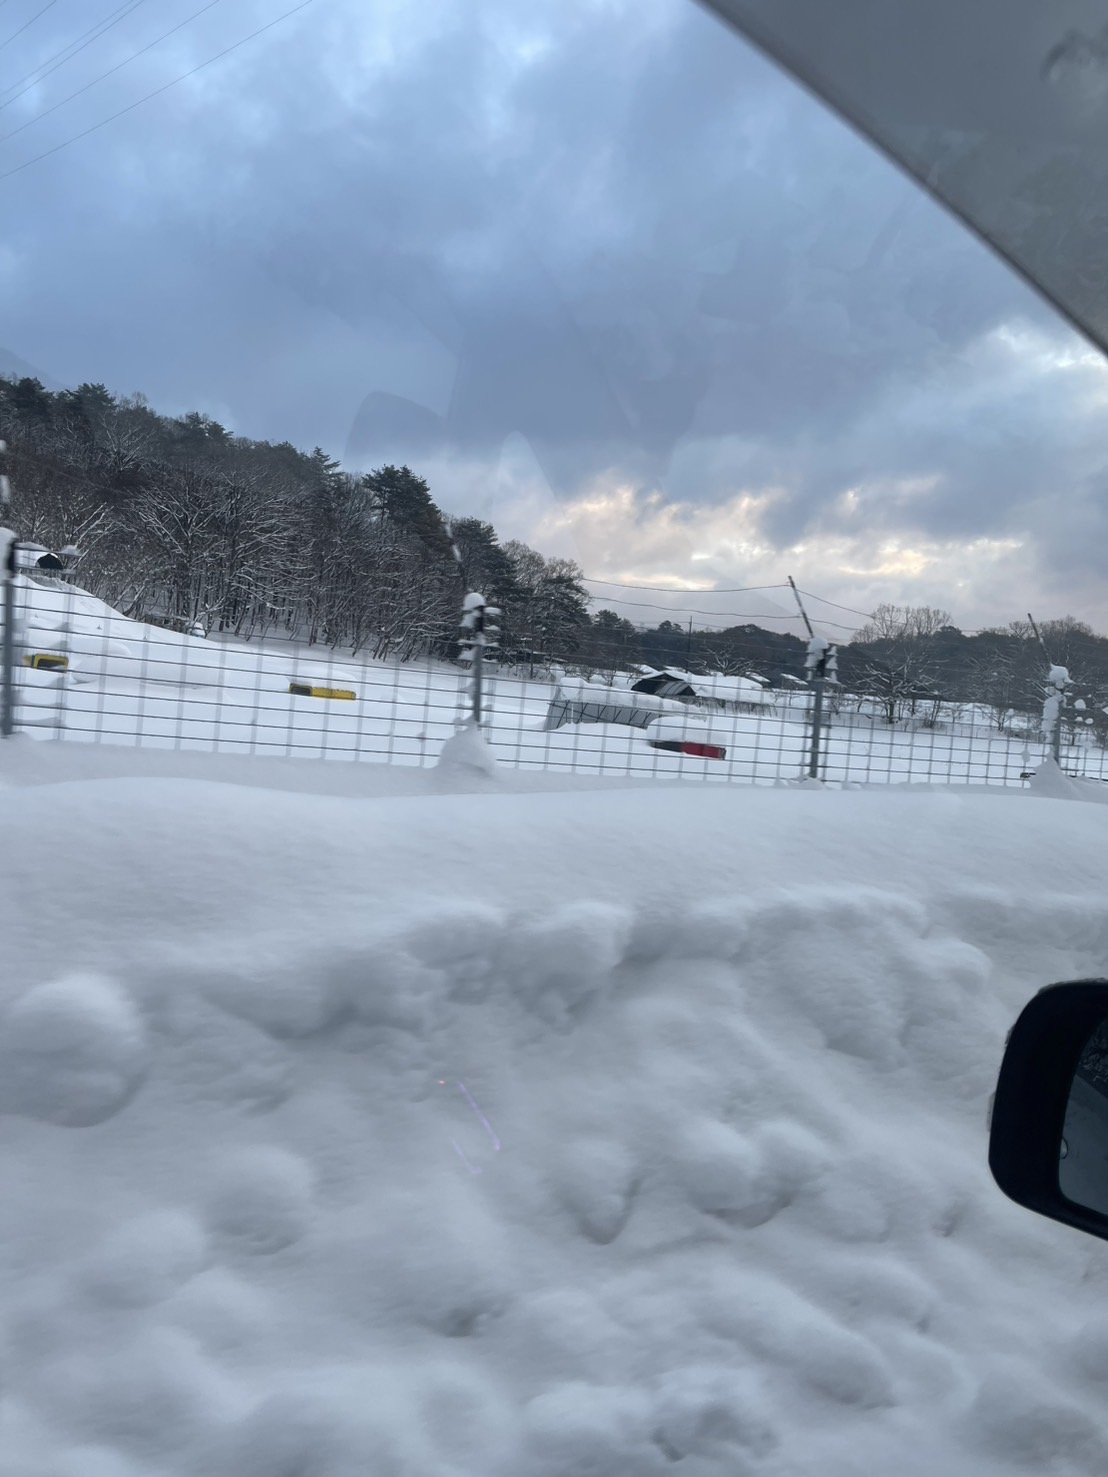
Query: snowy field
[[457, 1131], [132, 684]]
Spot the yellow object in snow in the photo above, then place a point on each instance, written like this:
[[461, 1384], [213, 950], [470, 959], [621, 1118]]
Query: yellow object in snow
[[46, 661], [302, 689]]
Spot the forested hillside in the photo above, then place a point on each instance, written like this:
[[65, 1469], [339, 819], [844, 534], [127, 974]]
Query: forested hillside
[[177, 519]]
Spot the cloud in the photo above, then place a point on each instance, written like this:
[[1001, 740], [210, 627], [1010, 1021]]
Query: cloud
[[722, 569], [592, 264]]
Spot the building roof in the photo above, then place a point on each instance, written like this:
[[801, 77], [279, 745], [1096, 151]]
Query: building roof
[[725, 689]]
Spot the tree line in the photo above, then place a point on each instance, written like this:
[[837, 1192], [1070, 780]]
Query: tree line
[[181, 522], [911, 661], [905, 663]]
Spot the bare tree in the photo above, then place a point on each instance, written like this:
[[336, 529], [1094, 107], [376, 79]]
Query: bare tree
[[900, 678], [897, 622]]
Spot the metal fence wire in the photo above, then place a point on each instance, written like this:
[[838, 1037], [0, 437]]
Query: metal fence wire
[[82, 672]]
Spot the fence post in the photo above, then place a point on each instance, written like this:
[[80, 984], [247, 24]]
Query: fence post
[[817, 726], [478, 667], [477, 638], [1057, 689], [7, 694], [7, 647]]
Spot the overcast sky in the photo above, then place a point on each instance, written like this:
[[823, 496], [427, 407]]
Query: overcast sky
[[592, 266]]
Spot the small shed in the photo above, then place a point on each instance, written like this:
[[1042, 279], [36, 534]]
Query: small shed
[[575, 701], [712, 691], [665, 684]]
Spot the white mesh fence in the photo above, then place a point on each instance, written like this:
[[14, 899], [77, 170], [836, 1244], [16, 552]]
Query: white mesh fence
[[85, 673]]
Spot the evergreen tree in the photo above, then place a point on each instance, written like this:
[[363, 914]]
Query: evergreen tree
[[404, 500]]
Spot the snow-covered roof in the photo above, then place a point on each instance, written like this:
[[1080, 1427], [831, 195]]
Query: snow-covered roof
[[577, 690], [726, 689]]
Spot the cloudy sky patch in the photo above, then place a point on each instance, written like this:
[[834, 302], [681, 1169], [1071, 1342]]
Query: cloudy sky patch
[[591, 265]]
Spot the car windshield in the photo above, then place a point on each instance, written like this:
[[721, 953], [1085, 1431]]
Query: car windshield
[[552, 709]]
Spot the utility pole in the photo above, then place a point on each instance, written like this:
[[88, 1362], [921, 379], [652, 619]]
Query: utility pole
[[821, 663]]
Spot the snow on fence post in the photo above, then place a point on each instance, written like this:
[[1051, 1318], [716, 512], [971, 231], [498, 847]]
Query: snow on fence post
[[477, 638], [1057, 686], [822, 663], [9, 553]]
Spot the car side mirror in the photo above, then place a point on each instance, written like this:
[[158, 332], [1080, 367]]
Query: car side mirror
[[1048, 1145]]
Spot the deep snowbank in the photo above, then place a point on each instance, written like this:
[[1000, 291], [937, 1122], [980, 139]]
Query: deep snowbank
[[612, 1133]]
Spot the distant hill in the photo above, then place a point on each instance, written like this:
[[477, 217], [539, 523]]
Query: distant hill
[[13, 367]]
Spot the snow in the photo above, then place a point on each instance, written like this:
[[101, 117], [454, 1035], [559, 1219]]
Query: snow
[[1057, 685], [73, 1051], [688, 727], [822, 658], [818, 647], [479, 1131], [466, 750], [581, 689], [720, 688], [131, 684]]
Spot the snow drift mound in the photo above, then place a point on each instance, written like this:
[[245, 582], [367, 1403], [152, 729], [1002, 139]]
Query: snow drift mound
[[528, 1135], [100, 641]]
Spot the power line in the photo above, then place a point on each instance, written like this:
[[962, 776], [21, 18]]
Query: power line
[[37, 158], [737, 615], [679, 590], [727, 590], [69, 51], [867, 614], [110, 72], [718, 614], [838, 625], [49, 5]]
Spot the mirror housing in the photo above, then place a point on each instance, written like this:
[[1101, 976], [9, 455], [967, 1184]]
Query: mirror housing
[[1032, 1097]]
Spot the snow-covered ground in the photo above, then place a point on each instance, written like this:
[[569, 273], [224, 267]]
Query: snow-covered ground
[[468, 1132], [133, 684]]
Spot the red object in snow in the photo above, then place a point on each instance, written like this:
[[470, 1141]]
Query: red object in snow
[[704, 751], [697, 751]]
